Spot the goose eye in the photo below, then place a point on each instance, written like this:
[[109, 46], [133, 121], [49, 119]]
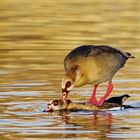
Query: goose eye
[[68, 84], [55, 103]]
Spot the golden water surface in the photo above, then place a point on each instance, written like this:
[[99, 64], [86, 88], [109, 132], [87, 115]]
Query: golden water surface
[[35, 36]]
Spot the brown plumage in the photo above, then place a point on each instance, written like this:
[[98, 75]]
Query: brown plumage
[[58, 105], [90, 64]]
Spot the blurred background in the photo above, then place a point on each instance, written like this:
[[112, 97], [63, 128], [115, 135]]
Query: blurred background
[[36, 35]]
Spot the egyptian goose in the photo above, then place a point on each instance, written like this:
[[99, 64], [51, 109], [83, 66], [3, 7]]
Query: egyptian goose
[[91, 64], [59, 105]]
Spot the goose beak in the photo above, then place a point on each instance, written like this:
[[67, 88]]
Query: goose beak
[[66, 86], [64, 94], [53, 105], [48, 109]]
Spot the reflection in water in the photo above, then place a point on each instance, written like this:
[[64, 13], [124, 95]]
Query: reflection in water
[[97, 122], [97, 118], [35, 36]]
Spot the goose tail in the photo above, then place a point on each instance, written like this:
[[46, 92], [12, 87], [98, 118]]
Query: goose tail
[[129, 55]]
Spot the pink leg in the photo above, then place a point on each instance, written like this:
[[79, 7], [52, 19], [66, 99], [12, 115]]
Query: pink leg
[[102, 99], [92, 99]]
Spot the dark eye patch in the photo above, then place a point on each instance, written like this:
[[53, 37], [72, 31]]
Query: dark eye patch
[[55, 102], [68, 84]]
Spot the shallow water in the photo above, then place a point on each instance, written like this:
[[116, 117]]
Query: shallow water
[[35, 36]]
